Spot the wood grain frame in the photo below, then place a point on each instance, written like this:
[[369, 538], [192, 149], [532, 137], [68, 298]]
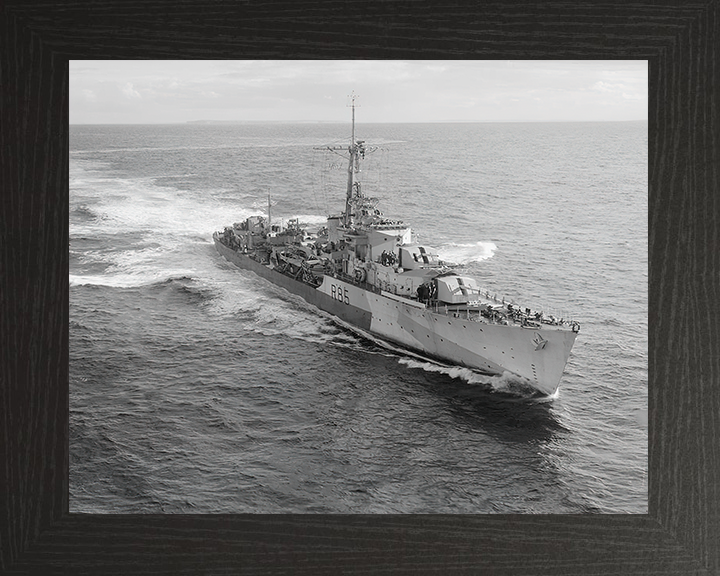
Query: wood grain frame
[[680, 535]]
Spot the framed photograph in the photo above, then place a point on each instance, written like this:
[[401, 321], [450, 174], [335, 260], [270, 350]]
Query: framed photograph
[[562, 520]]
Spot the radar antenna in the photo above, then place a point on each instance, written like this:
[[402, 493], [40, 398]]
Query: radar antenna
[[357, 150]]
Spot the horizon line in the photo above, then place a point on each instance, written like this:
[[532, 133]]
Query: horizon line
[[186, 122]]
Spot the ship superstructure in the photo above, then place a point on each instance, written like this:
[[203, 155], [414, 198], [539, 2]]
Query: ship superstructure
[[368, 271]]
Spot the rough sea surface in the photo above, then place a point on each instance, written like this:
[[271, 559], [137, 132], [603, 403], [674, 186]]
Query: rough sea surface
[[196, 387]]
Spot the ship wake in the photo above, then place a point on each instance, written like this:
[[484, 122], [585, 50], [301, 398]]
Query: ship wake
[[506, 383], [464, 254]]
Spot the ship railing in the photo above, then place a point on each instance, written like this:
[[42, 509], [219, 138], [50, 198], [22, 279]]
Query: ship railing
[[544, 314], [503, 316]]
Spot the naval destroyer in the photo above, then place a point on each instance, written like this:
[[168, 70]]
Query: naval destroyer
[[368, 271]]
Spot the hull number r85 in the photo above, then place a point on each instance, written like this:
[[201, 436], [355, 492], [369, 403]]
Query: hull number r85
[[339, 293]]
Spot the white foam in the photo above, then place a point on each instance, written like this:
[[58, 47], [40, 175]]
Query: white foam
[[117, 281], [505, 382], [466, 253], [129, 205], [459, 372], [272, 315]]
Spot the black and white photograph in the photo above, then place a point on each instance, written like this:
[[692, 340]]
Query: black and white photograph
[[358, 287]]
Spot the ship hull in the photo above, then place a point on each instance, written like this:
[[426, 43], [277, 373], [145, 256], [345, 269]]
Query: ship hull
[[537, 355]]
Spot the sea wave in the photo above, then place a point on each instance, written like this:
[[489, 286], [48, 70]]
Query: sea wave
[[506, 382], [466, 253], [164, 324], [85, 213], [187, 287], [124, 280]]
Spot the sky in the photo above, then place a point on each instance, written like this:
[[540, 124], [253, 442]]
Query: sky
[[178, 91]]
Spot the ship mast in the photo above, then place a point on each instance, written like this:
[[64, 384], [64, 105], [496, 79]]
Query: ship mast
[[356, 151], [353, 165]]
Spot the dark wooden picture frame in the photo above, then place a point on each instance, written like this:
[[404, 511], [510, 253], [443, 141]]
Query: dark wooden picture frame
[[680, 535]]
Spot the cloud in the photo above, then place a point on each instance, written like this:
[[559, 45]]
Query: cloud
[[389, 90], [130, 92], [601, 86], [618, 89], [436, 68]]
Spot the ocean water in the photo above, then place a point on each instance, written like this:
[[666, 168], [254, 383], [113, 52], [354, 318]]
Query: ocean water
[[196, 387]]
